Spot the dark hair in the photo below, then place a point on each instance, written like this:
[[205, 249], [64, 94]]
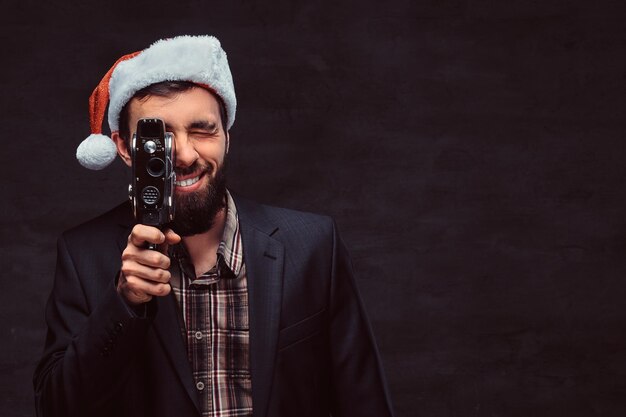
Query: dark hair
[[163, 89]]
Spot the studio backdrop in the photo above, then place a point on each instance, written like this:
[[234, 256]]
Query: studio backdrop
[[471, 153]]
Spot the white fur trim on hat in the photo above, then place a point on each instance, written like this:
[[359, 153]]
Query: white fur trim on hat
[[198, 59], [96, 152]]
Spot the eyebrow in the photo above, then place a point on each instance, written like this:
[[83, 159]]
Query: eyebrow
[[197, 124]]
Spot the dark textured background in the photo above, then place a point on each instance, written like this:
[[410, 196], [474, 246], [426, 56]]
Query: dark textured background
[[471, 152]]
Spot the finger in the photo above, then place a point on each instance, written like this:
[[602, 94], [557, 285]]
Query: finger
[[129, 293], [150, 258], [140, 286], [134, 269], [135, 298], [142, 234], [137, 291]]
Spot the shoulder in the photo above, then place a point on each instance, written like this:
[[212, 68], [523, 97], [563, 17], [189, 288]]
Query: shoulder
[[279, 221], [93, 248], [105, 226]]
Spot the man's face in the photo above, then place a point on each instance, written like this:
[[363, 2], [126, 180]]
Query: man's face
[[193, 117]]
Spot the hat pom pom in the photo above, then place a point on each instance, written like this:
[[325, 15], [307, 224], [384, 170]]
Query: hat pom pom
[[96, 152]]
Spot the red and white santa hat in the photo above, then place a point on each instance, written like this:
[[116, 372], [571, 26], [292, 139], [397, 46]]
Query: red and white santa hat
[[197, 59]]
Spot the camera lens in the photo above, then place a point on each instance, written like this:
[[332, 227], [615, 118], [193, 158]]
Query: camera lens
[[156, 167]]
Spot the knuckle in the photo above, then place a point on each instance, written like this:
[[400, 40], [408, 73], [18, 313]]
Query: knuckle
[[155, 259], [164, 289], [165, 275], [139, 296], [158, 276], [133, 242], [126, 270], [131, 283], [140, 233], [136, 230]]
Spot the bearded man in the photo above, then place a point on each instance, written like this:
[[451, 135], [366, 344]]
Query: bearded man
[[246, 310]]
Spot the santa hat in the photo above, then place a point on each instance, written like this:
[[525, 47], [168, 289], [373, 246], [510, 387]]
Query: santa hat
[[197, 59]]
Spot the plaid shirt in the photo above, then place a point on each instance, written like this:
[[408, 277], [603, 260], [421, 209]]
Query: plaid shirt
[[214, 322]]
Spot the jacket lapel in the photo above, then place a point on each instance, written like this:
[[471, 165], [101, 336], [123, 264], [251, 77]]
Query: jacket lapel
[[167, 328], [166, 325], [263, 256]]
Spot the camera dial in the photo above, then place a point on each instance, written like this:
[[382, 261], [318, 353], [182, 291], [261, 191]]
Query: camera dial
[[150, 147]]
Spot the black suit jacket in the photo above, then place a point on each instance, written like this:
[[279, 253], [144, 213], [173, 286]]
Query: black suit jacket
[[311, 348]]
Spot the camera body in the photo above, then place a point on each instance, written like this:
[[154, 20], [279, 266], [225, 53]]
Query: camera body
[[152, 188]]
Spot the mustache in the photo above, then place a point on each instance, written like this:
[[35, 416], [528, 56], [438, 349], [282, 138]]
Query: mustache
[[195, 167]]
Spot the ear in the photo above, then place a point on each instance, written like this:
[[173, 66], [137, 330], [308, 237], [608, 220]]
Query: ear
[[227, 141], [122, 150]]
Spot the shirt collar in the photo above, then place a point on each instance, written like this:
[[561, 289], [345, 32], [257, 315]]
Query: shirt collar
[[230, 246], [230, 249]]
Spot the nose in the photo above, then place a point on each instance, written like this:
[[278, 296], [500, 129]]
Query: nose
[[185, 152]]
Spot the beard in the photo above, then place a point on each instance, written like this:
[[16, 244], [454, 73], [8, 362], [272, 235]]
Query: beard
[[195, 212]]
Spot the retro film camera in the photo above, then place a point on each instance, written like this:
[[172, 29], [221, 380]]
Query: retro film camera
[[152, 188]]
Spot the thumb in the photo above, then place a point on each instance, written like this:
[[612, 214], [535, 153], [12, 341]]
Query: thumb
[[171, 237]]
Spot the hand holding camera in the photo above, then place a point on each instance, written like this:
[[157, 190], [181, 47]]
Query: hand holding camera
[[144, 272]]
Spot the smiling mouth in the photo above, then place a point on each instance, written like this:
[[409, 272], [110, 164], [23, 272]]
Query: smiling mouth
[[188, 181]]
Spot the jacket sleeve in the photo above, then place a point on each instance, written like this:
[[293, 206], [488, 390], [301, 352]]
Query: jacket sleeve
[[88, 350], [358, 383]]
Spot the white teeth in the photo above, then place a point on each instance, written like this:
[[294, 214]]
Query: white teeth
[[187, 182]]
